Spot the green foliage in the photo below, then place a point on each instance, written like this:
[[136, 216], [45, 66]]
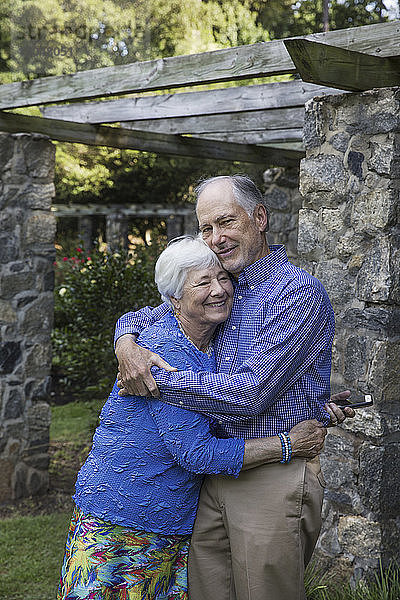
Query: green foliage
[[106, 176], [93, 293], [31, 552], [384, 585], [285, 18]]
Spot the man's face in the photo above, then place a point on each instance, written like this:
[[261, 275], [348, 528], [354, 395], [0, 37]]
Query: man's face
[[236, 238]]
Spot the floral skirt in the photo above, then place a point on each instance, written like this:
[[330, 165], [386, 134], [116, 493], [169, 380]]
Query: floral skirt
[[108, 562]]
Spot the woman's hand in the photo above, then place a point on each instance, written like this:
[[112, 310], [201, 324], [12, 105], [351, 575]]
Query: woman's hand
[[135, 362], [307, 438]]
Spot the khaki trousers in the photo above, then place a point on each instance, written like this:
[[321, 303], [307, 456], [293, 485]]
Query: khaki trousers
[[254, 535]]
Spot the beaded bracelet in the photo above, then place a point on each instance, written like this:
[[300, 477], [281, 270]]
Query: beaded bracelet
[[286, 447]]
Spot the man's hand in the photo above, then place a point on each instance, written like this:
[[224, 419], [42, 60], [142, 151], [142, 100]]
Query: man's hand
[[134, 376], [339, 414], [307, 438]]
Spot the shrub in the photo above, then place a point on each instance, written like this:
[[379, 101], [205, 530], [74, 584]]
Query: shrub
[[91, 294]]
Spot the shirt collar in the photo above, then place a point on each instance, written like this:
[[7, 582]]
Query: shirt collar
[[263, 268]]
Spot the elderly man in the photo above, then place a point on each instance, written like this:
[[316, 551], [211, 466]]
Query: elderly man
[[253, 535]]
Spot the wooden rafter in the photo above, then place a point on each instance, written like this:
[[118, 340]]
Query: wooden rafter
[[341, 68], [243, 62], [101, 135], [191, 104]]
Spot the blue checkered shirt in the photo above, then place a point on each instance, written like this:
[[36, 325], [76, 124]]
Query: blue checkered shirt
[[273, 353]]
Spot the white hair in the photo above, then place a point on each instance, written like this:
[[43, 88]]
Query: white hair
[[180, 256], [244, 190]]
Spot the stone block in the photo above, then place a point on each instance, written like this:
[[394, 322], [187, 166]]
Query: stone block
[[367, 422], [374, 210], [354, 162], [338, 282], [37, 318], [382, 154], [40, 228], [38, 461], [359, 536], [332, 219], [38, 360], [384, 320], [6, 150], [37, 481], [355, 358], [14, 404], [6, 470], [38, 196], [316, 122], [308, 233], [370, 482], [19, 481], [323, 181], [281, 223], [14, 283], [24, 298], [374, 277], [9, 249], [340, 141], [7, 313], [10, 356], [349, 246], [277, 199], [39, 155]]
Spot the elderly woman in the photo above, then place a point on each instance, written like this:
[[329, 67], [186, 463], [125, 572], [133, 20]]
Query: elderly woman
[[137, 493]]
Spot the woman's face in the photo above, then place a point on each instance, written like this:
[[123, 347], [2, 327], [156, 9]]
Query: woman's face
[[207, 296]]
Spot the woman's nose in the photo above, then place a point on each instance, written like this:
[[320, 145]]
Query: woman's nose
[[216, 288]]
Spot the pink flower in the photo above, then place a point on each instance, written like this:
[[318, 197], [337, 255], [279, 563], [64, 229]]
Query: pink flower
[[65, 258], [79, 250]]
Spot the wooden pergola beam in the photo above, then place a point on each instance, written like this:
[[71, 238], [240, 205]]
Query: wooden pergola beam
[[341, 68], [161, 143], [231, 64], [191, 104], [127, 210]]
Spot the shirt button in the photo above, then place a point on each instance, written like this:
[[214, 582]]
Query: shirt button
[[181, 402], [227, 358], [240, 297], [252, 287], [233, 326], [220, 422]]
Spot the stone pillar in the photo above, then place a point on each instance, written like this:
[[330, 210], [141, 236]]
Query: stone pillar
[[27, 231], [116, 231], [349, 237], [284, 200]]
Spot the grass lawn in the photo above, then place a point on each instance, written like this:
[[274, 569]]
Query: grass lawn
[[32, 543], [31, 551]]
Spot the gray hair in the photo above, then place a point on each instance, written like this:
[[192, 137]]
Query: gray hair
[[180, 256], [245, 191]]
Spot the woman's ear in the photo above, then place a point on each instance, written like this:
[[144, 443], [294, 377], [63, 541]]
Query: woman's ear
[[175, 303]]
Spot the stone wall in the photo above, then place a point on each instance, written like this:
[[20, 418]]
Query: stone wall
[[284, 200], [349, 237], [27, 231]]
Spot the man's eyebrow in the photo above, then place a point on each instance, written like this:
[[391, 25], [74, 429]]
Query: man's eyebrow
[[218, 219]]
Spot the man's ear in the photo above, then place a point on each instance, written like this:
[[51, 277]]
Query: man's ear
[[260, 216]]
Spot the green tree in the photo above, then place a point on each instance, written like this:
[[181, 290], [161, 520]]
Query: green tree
[[285, 18]]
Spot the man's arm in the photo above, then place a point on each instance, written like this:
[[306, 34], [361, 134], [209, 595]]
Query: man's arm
[[133, 323], [290, 341], [135, 362]]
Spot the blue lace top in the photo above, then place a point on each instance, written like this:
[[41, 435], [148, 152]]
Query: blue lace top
[[146, 463]]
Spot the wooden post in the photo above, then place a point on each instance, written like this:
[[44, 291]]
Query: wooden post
[[174, 226], [116, 231], [85, 230]]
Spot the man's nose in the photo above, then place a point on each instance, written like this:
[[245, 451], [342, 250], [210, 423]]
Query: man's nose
[[217, 236]]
